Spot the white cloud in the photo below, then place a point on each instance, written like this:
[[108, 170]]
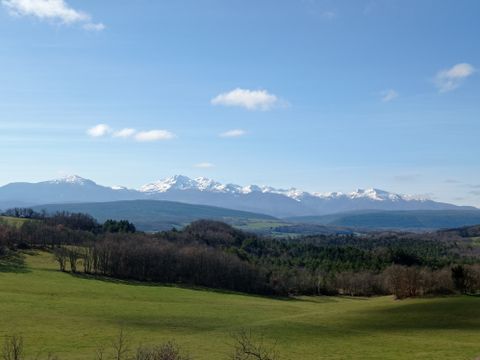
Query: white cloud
[[54, 10], [154, 135], [389, 95], [99, 130], [124, 133], [142, 136], [94, 27], [233, 133], [204, 165], [249, 99], [450, 79]]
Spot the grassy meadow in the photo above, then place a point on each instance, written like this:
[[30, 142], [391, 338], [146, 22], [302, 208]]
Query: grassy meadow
[[72, 315], [12, 221]]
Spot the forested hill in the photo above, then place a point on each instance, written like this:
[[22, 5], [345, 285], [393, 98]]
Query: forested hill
[[215, 255], [406, 220], [155, 215], [158, 215]]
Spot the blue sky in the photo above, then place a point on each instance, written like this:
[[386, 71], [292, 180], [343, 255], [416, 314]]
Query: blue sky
[[320, 95]]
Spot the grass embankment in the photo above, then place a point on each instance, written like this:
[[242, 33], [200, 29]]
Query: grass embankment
[[70, 316]]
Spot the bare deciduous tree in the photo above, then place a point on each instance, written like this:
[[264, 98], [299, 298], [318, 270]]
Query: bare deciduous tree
[[100, 353], [167, 351], [247, 347], [73, 256], [61, 257], [120, 346], [13, 348]]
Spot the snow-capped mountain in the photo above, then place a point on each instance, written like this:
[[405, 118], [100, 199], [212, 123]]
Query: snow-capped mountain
[[72, 179], [282, 202], [67, 189], [180, 182], [261, 199]]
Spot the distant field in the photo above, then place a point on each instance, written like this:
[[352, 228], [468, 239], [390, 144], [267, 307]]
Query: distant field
[[12, 221], [476, 241], [69, 316], [266, 227]]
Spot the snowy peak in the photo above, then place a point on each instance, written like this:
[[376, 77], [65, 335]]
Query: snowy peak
[[251, 189], [329, 195], [181, 182], [177, 182], [205, 184], [72, 180], [375, 194], [230, 188], [366, 194]]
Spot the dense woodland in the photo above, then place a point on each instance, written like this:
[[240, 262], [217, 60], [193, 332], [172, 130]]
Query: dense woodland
[[215, 255]]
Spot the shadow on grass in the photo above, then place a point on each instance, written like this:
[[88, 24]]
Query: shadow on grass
[[13, 262], [443, 313], [178, 324], [193, 287]]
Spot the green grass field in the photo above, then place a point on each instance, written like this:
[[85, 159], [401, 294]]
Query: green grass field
[[70, 316], [17, 222]]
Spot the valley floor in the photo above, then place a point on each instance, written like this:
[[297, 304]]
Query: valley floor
[[71, 316]]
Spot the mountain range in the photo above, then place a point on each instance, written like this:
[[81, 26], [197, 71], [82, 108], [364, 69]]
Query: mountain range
[[202, 191]]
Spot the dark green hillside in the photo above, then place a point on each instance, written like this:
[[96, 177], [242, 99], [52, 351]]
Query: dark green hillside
[[408, 220], [151, 215]]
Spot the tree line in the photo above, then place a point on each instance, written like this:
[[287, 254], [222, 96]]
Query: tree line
[[144, 259], [213, 254]]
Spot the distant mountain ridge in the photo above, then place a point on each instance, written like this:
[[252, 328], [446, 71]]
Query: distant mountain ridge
[[157, 215], [202, 191], [180, 182]]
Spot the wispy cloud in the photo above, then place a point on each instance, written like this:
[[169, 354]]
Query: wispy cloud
[[154, 135], [99, 130], [452, 181], [233, 133], [94, 27], [389, 95], [125, 133], [204, 165], [450, 79], [54, 10], [248, 99]]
